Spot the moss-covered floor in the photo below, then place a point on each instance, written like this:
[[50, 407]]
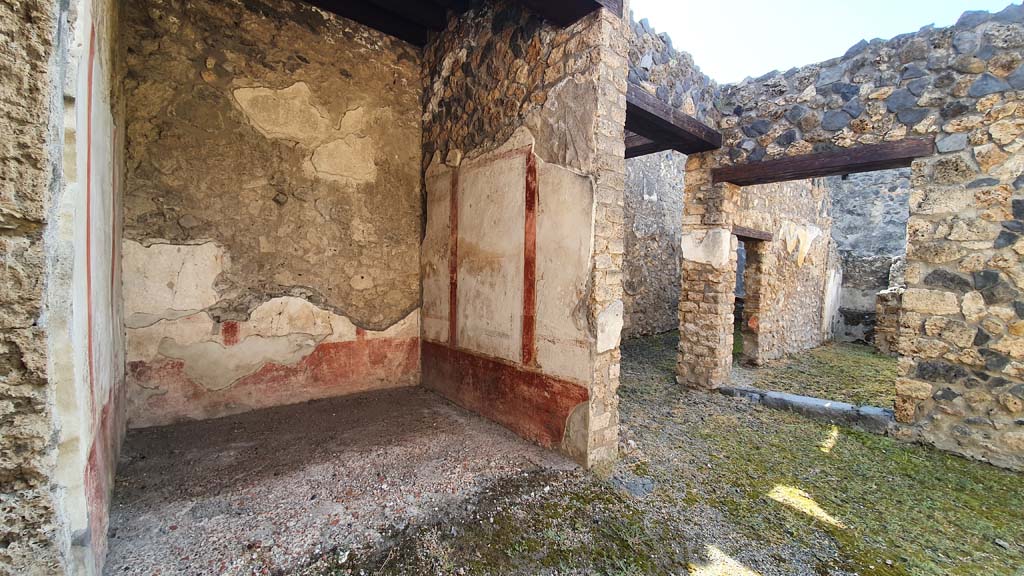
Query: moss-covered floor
[[852, 373], [709, 485]]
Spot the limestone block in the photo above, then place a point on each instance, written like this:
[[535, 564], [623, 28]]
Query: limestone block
[[930, 301]]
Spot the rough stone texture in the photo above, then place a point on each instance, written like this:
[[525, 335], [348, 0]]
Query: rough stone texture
[[499, 78], [654, 202], [869, 212], [31, 539], [273, 207], [296, 155], [958, 346], [670, 74], [787, 306]]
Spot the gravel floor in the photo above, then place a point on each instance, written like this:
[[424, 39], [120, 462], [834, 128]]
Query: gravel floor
[[265, 492]]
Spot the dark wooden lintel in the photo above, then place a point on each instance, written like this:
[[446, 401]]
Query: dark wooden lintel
[[744, 233], [637, 145], [566, 12], [656, 121], [371, 15], [867, 158]]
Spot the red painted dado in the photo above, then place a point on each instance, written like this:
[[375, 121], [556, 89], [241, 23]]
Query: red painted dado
[[531, 404], [332, 369]]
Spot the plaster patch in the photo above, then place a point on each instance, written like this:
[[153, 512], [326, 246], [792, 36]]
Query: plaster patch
[[565, 232], [799, 239], [166, 281], [408, 327], [284, 316], [349, 160], [609, 327], [144, 343], [707, 246], [287, 114], [217, 367], [435, 253]]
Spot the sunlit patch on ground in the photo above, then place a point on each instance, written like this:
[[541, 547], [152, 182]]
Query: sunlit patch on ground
[[720, 564]]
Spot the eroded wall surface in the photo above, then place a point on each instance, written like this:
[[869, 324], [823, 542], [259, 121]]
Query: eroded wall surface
[[654, 204], [869, 212], [788, 306], [522, 256], [62, 369], [961, 358], [31, 533], [273, 207]]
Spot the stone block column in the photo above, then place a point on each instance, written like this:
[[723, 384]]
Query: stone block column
[[708, 267]]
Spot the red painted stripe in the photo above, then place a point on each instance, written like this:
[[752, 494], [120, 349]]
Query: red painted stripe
[[88, 212], [530, 264], [453, 258]]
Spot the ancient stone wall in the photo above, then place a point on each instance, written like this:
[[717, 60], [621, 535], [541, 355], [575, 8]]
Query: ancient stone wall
[[31, 540], [653, 223], [62, 336], [669, 74], [960, 343], [272, 209], [787, 307], [869, 212], [523, 135]]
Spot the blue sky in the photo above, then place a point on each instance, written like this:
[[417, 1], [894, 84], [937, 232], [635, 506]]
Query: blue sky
[[732, 39]]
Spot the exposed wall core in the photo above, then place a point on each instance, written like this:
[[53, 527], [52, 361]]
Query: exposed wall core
[[273, 208], [654, 200]]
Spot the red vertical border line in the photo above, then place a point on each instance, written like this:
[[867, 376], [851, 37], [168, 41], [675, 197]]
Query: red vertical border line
[[453, 259], [530, 264], [88, 212]]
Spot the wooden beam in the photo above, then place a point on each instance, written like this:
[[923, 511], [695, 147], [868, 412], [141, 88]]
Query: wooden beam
[[744, 233], [657, 121], [375, 17], [426, 14], [566, 12], [865, 158], [637, 145]]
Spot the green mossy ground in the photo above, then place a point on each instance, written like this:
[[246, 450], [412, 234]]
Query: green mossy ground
[[899, 509], [851, 373]]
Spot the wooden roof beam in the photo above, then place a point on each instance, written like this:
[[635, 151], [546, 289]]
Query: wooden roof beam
[[867, 158], [650, 118]]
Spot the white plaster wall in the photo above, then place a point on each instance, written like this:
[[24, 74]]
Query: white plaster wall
[[491, 211], [436, 253], [565, 231], [84, 304]]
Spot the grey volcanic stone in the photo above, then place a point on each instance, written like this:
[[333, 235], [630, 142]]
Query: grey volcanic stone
[[965, 42], [830, 75], [940, 371], [952, 143], [912, 71], [796, 112], [835, 120], [854, 108], [981, 182], [985, 279], [917, 87], [855, 49], [1018, 205], [845, 90], [1017, 78], [901, 100], [1005, 238], [757, 128], [946, 279], [787, 137], [987, 84], [912, 116]]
